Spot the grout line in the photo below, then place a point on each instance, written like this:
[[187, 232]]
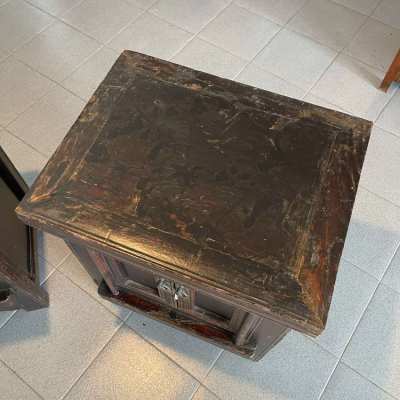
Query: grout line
[[19, 310], [48, 276], [258, 14], [270, 40], [89, 294], [368, 15], [383, 70], [339, 361], [206, 388], [196, 34], [130, 23], [195, 391], [28, 40], [360, 269], [384, 23], [380, 196], [265, 16], [160, 351], [208, 373], [395, 90], [43, 260], [340, 52], [193, 36], [205, 377], [286, 26], [9, 317], [351, 9], [91, 362], [21, 379], [26, 143], [46, 92], [48, 12], [395, 135], [389, 99], [145, 8], [57, 19], [212, 365], [357, 325], [373, 383]]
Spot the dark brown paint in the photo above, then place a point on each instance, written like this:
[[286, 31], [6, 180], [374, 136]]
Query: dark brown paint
[[234, 188]]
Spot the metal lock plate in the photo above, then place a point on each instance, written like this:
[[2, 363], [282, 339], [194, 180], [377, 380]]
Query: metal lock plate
[[175, 294]]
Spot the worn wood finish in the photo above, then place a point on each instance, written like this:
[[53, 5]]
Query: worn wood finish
[[232, 188], [18, 275]]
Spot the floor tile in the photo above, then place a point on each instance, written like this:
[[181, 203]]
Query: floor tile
[[52, 248], [327, 22], [102, 19], [375, 44], [295, 58], [50, 348], [85, 80], [353, 86], [392, 276], [374, 350], [152, 36], [390, 116], [348, 384], [363, 6], [192, 354], [190, 15], [14, 388], [72, 268], [240, 32], [20, 86], [27, 160], [255, 76], [55, 7], [203, 56], [376, 221], [57, 51], [45, 124], [322, 102], [4, 317], [388, 12], [44, 269], [204, 394], [296, 368], [145, 4], [381, 167], [3, 55], [129, 368], [279, 11], [353, 290], [19, 21]]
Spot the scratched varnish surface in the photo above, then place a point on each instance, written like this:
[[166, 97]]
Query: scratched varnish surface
[[230, 186]]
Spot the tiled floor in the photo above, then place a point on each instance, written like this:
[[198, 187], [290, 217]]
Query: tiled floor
[[53, 54]]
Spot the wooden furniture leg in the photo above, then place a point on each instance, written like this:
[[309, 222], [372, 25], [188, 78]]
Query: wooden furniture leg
[[393, 73]]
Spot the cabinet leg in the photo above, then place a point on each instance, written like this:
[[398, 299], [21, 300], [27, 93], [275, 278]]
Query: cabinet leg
[[392, 74]]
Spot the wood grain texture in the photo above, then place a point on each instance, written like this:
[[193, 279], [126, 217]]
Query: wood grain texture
[[229, 186]]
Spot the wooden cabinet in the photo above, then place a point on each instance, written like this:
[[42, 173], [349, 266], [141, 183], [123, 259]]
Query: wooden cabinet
[[18, 264], [143, 288], [213, 206]]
